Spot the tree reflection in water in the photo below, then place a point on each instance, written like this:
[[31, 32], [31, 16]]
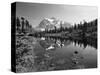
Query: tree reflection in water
[[80, 41]]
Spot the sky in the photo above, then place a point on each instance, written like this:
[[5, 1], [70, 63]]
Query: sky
[[36, 12]]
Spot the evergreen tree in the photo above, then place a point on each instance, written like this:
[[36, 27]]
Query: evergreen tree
[[27, 25], [23, 23], [18, 24]]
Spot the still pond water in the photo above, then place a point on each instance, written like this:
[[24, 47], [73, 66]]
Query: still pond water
[[52, 53]]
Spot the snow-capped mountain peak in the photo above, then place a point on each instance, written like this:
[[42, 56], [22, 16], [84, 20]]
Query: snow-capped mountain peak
[[51, 20], [51, 23]]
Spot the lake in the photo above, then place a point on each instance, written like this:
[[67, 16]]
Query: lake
[[56, 53]]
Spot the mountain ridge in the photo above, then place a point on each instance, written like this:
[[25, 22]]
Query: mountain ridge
[[51, 23]]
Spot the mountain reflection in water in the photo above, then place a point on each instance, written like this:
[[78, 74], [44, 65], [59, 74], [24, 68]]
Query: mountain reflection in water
[[55, 53]]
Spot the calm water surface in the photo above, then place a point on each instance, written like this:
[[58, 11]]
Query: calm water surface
[[52, 53]]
